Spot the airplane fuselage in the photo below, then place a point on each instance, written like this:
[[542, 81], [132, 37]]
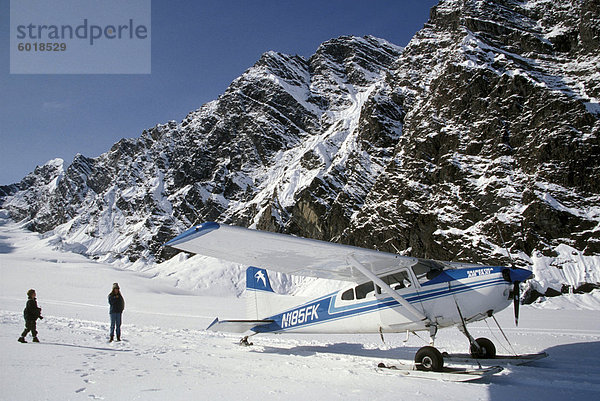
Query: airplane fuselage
[[477, 292]]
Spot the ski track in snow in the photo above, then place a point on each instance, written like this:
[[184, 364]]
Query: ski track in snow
[[167, 354]]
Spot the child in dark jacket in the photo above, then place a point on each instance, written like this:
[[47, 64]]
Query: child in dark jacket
[[31, 314]]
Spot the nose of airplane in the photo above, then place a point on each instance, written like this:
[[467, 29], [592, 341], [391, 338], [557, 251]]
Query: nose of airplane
[[517, 275]]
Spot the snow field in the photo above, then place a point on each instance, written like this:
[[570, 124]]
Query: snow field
[[167, 354]]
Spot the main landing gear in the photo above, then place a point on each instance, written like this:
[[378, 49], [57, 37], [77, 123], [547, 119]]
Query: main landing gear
[[429, 358]]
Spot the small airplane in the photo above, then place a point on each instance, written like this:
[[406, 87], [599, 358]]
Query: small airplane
[[389, 293]]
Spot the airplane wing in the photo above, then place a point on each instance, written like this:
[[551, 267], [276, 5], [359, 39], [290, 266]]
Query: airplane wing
[[286, 253]]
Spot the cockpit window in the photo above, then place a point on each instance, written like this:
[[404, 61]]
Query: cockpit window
[[396, 281], [426, 270]]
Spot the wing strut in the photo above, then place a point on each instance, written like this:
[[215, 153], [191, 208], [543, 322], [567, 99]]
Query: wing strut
[[371, 276]]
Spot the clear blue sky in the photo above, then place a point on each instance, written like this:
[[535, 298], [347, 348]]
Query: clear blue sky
[[198, 48]]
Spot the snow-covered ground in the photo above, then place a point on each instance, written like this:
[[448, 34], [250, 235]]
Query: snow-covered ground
[[166, 354]]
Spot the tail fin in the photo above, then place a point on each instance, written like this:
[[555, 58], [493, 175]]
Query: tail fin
[[258, 280], [261, 301], [259, 293]]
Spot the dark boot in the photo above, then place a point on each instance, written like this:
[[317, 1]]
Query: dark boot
[[35, 340], [111, 339], [22, 340], [118, 338]]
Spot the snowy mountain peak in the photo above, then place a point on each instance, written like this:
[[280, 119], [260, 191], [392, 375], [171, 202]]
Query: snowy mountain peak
[[481, 135]]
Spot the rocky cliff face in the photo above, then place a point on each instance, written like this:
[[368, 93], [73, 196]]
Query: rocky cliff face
[[479, 139], [501, 129]]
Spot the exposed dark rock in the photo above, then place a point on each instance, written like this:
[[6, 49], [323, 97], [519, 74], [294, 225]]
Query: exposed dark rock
[[482, 135]]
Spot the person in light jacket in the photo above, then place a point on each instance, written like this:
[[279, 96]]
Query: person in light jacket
[[31, 313], [117, 305]]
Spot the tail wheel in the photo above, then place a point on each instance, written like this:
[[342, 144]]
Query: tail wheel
[[429, 358], [486, 350]]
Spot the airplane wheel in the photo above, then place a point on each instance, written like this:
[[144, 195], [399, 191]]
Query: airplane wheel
[[486, 350], [429, 358]]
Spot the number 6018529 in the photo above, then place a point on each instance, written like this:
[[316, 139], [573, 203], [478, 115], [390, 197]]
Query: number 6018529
[[42, 47]]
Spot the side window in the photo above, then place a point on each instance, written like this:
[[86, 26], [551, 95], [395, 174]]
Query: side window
[[361, 291], [348, 295], [364, 289]]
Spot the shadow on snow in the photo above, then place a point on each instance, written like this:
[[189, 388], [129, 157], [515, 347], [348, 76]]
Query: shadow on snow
[[571, 371], [87, 347], [348, 349]]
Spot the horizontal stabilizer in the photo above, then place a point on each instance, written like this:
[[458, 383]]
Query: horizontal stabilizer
[[236, 326]]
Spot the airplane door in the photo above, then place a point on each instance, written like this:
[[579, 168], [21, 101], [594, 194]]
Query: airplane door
[[434, 307], [366, 298], [403, 282], [358, 306]]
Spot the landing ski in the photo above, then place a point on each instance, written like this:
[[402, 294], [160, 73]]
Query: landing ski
[[447, 374], [498, 360]]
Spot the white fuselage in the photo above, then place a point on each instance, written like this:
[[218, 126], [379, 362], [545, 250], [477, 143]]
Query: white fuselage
[[478, 292]]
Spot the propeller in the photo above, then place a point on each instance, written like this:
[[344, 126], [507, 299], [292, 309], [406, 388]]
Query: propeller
[[514, 275], [516, 300]]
